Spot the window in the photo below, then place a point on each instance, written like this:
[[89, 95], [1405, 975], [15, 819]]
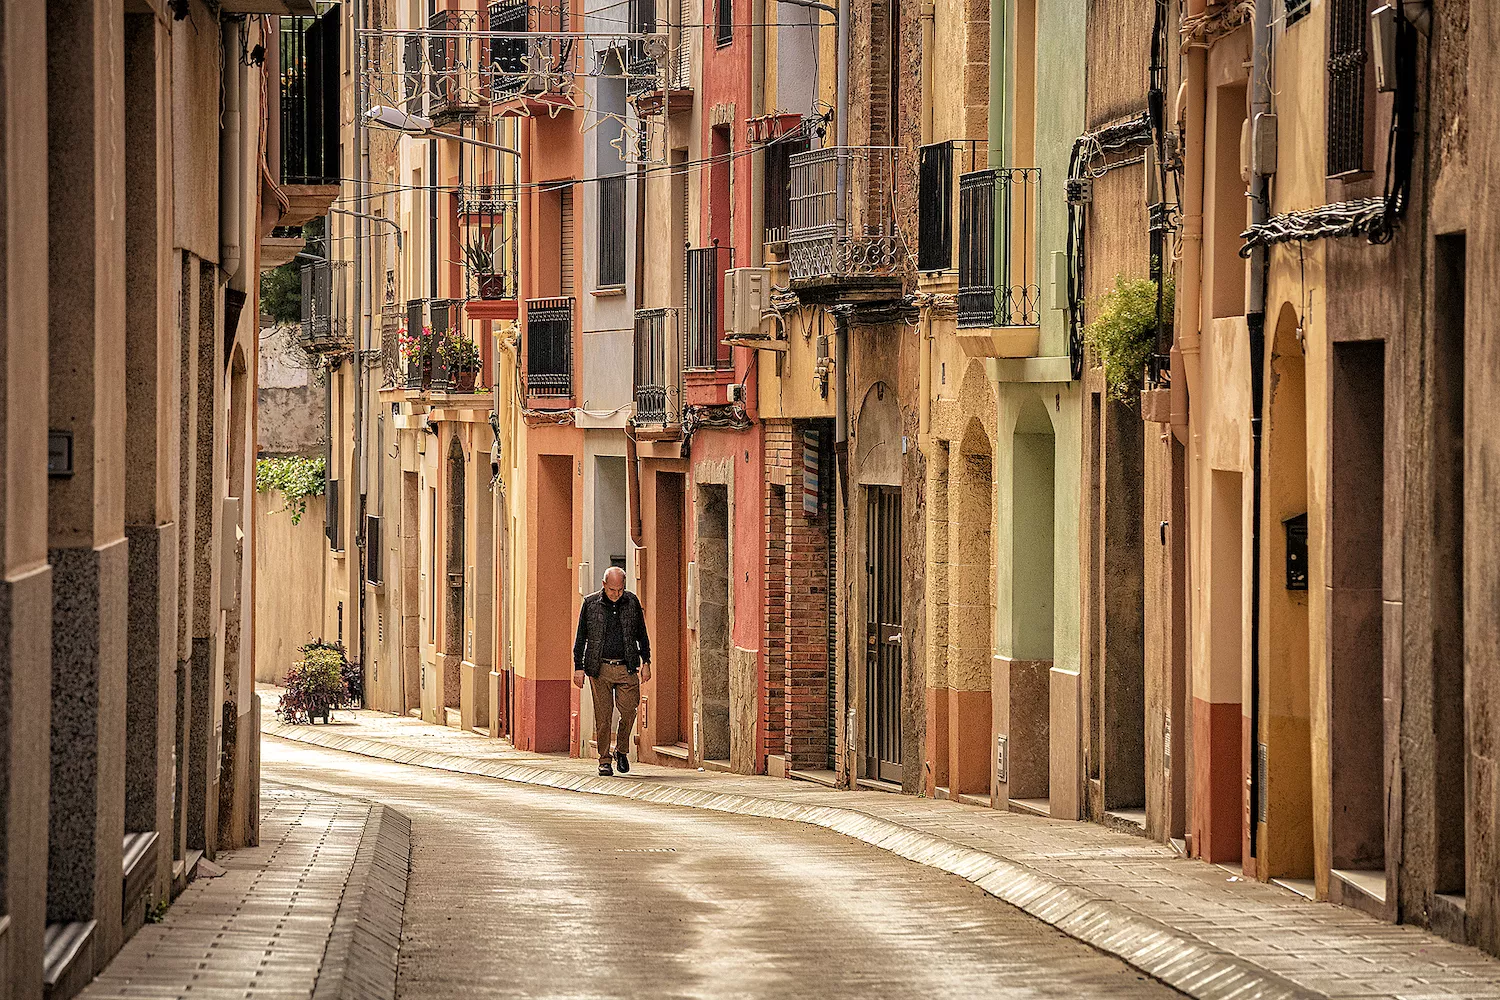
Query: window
[[331, 514], [1296, 10], [1348, 93], [935, 207], [724, 22], [374, 568], [609, 164], [778, 185]]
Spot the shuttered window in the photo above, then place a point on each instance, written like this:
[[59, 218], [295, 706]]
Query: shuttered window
[[566, 240]]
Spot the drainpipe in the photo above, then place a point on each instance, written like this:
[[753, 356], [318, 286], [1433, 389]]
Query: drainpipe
[[924, 383], [357, 632], [1191, 116], [230, 155], [1260, 104], [929, 42], [841, 208]]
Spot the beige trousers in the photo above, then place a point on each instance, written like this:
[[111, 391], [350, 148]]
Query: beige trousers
[[615, 688]]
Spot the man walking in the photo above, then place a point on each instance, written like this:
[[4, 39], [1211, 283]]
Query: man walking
[[613, 650]]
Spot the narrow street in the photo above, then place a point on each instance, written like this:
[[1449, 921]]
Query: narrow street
[[520, 891]]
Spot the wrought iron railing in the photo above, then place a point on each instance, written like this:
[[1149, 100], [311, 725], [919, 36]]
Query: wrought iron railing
[[853, 236], [939, 167], [491, 213], [529, 65], [658, 367], [458, 56], [390, 345], [310, 99], [704, 346], [998, 278], [324, 325], [549, 347]]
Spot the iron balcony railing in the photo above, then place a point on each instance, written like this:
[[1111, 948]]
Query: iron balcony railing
[[549, 347], [658, 367], [324, 326], [491, 213], [850, 237], [310, 99], [998, 281], [705, 348], [458, 55], [539, 65], [939, 167], [391, 318]]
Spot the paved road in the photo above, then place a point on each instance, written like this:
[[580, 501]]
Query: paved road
[[529, 892]]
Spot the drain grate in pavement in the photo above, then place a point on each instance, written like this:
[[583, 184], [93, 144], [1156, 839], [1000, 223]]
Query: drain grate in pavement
[[645, 850]]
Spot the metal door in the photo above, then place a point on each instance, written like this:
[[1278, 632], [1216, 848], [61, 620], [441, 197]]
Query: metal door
[[883, 633]]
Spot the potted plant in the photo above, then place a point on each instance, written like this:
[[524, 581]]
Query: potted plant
[[314, 687], [417, 352], [480, 258], [461, 359], [1123, 334]]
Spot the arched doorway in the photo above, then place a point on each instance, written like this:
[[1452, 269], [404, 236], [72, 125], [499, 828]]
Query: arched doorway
[[1026, 777], [1284, 812], [453, 610]]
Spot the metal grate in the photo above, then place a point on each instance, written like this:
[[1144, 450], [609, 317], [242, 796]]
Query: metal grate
[[998, 281], [853, 238], [1347, 59], [658, 368], [1296, 10], [549, 347]]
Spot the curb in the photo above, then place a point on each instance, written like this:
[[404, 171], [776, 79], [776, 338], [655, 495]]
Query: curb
[[1178, 959], [359, 962]]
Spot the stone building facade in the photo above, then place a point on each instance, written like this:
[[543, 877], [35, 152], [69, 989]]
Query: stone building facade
[[137, 192]]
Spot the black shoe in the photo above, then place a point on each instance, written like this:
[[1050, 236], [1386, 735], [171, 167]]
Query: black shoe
[[622, 763], [605, 771]]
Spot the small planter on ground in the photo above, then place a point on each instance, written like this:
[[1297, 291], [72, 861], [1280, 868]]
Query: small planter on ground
[[316, 684]]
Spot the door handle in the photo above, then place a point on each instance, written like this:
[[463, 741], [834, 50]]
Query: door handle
[[894, 638]]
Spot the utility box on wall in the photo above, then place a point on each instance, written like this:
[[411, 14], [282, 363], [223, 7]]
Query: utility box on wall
[[1296, 552]]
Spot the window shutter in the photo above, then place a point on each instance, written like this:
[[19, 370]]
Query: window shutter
[[566, 240], [1347, 89]]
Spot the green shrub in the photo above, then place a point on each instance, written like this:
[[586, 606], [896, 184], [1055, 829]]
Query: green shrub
[[296, 477], [1123, 334]]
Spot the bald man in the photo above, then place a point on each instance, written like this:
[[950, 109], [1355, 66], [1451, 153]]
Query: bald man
[[614, 652]]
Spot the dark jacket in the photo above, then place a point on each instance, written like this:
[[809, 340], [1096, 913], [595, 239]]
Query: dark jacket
[[588, 646]]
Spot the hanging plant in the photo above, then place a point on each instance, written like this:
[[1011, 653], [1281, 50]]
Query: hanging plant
[[1123, 334], [296, 477]]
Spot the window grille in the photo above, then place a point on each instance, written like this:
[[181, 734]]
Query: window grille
[[1296, 10], [1347, 61], [549, 347]]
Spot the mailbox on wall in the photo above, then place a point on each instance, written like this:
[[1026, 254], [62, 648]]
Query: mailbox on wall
[[1296, 552]]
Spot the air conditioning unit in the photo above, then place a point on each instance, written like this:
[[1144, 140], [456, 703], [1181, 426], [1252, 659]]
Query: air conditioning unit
[[748, 298]]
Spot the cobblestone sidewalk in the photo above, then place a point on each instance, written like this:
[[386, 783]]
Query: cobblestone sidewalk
[[1195, 926], [287, 919]]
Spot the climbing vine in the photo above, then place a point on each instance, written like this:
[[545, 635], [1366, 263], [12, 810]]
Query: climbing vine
[[296, 477]]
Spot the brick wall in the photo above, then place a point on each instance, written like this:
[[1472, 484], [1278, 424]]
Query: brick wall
[[797, 604]]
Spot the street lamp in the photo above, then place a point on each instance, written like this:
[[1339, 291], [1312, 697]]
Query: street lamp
[[420, 126]]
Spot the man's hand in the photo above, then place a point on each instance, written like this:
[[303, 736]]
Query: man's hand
[[578, 678], [645, 672]]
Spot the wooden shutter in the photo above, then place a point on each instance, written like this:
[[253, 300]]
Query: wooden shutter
[[566, 241]]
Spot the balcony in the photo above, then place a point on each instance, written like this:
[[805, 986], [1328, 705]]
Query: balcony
[[843, 226], [706, 351], [492, 264], [324, 328], [549, 348], [536, 69], [999, 290], [939, 167], [659, 68], [658, 368], [308, 136], [458, 57]]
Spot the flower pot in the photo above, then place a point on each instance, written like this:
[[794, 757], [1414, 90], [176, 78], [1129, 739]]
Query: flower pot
[[465, 381], [492, 286]]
